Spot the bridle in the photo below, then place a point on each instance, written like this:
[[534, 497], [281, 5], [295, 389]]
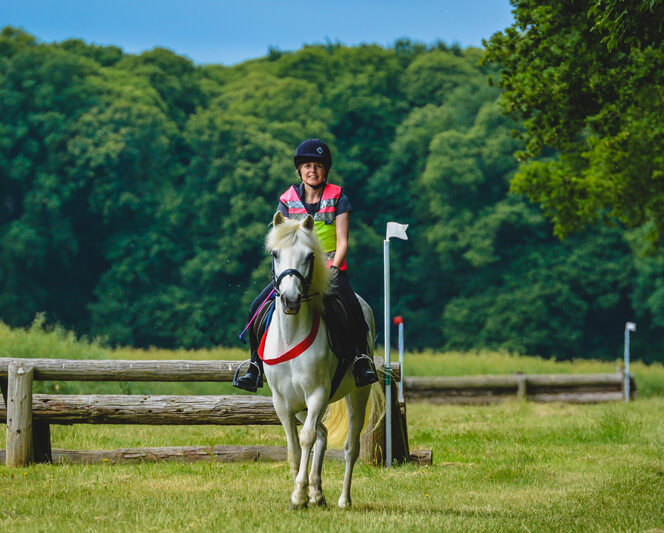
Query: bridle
[[306, 281]]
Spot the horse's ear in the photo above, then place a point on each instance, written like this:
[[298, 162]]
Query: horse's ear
[[308, 222], [278, 218]]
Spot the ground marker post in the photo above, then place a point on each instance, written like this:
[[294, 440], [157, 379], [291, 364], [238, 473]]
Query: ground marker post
[[629, 326], [399, 231], [398, 320]]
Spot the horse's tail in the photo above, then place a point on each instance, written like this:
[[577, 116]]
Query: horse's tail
[[336, 417]]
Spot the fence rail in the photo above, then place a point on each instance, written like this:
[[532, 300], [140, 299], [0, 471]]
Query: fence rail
[[574, 388], [132, 370], [154, 410]]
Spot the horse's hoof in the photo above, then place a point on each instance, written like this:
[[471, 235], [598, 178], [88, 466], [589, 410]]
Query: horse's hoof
[[344, 503], [319, 502], [298, 506]]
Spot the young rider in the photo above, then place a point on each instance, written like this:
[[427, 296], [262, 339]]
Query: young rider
[[331, 211]]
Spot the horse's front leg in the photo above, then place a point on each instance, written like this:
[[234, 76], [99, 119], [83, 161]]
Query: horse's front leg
[[316, 404], [289, 423], [315, 479]]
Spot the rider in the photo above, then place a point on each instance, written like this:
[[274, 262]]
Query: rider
[[331, 210]]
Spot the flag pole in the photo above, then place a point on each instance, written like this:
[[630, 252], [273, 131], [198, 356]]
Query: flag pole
[[397, 230], [388, 377]]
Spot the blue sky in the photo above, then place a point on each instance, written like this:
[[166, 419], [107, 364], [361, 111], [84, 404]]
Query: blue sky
[[228, 32]]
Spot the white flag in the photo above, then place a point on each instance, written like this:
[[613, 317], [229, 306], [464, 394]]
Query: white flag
[[397, 230]]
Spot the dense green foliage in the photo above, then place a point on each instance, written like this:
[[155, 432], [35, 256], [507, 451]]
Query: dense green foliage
[[587, 79], [135, 193]]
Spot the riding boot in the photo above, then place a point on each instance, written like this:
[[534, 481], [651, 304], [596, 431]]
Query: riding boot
[[364, 370], [253, 379]]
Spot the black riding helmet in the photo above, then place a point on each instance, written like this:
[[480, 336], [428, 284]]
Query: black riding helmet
[[313, 150]]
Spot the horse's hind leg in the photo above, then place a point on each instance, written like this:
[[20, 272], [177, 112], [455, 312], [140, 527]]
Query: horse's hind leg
[[356, 402]]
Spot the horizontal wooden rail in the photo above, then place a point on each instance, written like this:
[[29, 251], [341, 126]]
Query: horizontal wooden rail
[[153, 410], [133, 370], [577, 388], [125, 370], [190, 454]]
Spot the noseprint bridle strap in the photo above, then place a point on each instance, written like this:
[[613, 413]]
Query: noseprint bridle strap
[[306, 281]]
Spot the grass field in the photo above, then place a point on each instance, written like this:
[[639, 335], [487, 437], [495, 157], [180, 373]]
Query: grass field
[[515, 466]]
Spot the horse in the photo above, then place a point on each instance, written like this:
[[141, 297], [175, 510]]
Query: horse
[[299, 364]]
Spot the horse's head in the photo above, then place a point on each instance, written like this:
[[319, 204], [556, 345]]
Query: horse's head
[[298, 261]]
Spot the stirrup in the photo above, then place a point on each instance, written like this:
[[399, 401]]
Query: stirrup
[[239, 367], [364, 356], [367, 375]]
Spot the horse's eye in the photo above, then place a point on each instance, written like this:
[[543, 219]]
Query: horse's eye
[[275, 254]]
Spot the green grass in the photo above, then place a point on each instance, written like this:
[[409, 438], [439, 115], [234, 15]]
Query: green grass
[[512, 467], [515, 466]]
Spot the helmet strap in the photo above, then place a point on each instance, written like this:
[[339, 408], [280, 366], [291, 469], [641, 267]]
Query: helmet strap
[[319, 185]]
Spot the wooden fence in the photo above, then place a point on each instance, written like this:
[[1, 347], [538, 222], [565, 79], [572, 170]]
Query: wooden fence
[[574, 388], [29, 415]]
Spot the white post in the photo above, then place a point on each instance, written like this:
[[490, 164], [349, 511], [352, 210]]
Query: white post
[[397, 230], [388, 377], [398, 320], [629, 326]]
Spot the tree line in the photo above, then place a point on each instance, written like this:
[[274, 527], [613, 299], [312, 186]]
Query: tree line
[[136, 191]]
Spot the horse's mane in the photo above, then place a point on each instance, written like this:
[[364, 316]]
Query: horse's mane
[[287, 234]]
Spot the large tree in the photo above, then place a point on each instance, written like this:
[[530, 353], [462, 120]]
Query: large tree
[[587, 78]]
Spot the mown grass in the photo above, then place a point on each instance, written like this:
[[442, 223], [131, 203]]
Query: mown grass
[[512, 467], [515, 466]]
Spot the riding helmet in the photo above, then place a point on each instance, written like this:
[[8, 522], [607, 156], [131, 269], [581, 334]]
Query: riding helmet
[[313, 150]]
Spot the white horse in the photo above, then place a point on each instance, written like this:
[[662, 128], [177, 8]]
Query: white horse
[[301, 382]]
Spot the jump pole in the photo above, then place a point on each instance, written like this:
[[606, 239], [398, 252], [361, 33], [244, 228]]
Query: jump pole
[[399, 231]]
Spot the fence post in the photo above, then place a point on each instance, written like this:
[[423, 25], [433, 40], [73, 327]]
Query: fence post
[[3, 389], [521, 385], [41, 442], [19, 415]]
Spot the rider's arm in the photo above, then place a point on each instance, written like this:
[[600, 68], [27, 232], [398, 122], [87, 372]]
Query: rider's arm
[[342, 222]]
